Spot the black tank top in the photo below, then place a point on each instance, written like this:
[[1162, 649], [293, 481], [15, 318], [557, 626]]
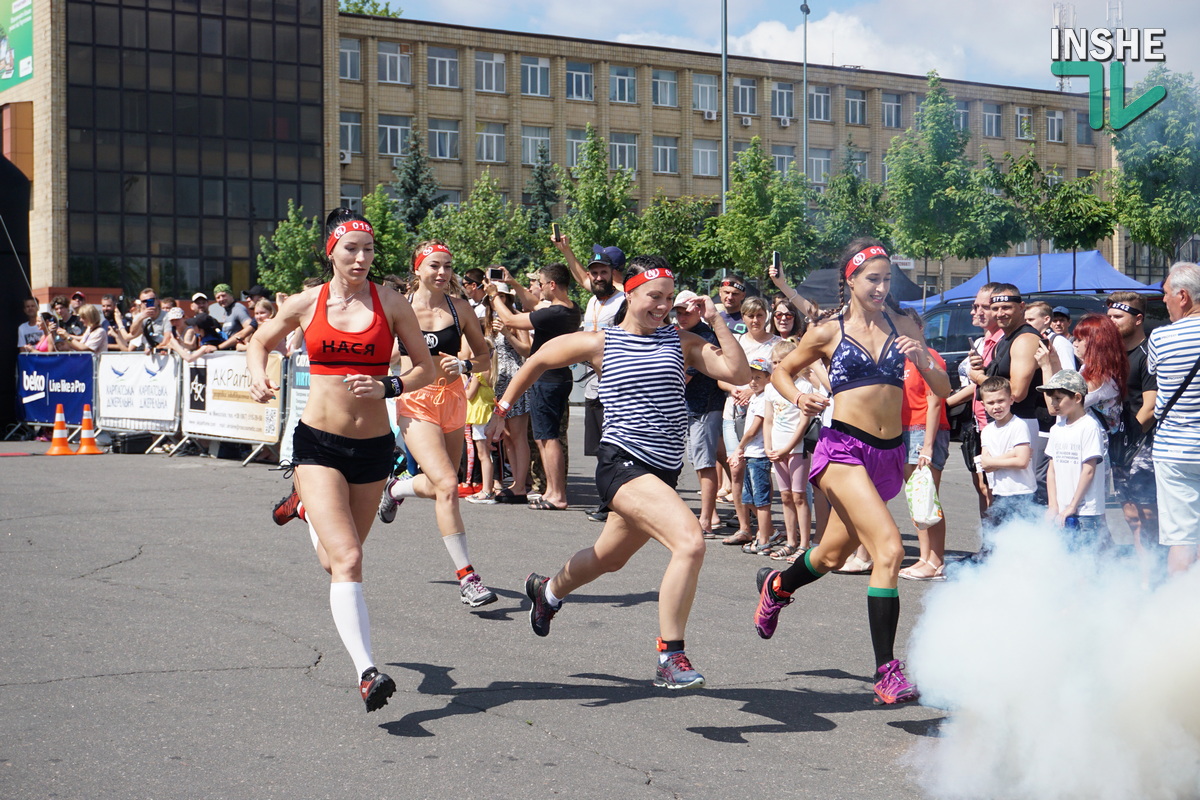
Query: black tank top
[[447, 341], [1002, 365]]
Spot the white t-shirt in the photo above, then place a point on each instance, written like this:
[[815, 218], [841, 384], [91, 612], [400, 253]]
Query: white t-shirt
[[1070, 445], [753, 349], [28, 334], [785, 416], [999, 440], [1066, 351], [757, 408], [599, 315]]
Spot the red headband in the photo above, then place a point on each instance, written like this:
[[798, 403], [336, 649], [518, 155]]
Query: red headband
[[346, 227], [429, 250], [861, 257], [637, 280]]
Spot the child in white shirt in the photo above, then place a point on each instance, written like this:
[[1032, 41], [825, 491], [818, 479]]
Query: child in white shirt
[[1077, 477], [756, 487], [1006, 457]]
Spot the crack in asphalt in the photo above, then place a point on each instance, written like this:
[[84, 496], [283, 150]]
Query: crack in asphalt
[[132, 673], [113, 564]]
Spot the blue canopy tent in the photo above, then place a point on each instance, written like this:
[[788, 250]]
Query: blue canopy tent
[[1082, 272]]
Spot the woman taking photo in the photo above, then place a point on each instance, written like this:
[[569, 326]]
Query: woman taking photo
[[94, 338], [343, 442], [858, 462], [432, 419], [512, 347], [641, 362]]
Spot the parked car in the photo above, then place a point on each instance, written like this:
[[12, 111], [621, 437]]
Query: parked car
[[949, 331]]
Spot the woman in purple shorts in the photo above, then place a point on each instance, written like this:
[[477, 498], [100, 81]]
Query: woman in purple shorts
[[859, 460]]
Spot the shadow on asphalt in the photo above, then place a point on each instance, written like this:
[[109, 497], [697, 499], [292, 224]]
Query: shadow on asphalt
[[788, 710]]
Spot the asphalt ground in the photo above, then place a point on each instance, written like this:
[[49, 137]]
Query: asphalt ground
[[164, 639]]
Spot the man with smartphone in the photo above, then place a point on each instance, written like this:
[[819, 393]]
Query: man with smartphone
[[472, 283], [149, 323]]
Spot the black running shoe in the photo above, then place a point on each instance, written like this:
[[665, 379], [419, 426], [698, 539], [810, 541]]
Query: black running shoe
[[287, 509], [541, 612], [375, 689]]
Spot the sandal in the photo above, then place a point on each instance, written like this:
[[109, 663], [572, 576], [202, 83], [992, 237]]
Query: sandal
[[483, 498], [904, 572], [741, 537], [796, 556], [709, 534], [726, 498], [509, 496], [938, 574], [855, 566], [783, 552], [545, 505], [756, 549]]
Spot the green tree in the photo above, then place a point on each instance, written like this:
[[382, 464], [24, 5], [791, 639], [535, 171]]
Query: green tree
[[929, 183], [1079, 216], [1158, 188], [599, 205], [417, 190], [393, 242], [291, 254], [993, 224], [373, 8], [485, 229], [542, 189], [1022, 180], [850, 206], [669, 228]]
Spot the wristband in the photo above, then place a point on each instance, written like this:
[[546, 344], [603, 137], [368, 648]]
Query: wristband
[[392, 386], [466, 366], [502, 408]]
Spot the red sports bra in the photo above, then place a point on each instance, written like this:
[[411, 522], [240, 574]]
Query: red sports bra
[[334, 352]]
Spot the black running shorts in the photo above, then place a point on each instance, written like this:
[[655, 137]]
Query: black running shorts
[[359, 460]]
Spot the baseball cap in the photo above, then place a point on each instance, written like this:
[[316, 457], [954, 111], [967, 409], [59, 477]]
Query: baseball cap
[[1066, 379], [175, 313], [685, 297], [615, 255], [1066, 312], [761, 364], [199, 296], [257, 290], [79, 296]]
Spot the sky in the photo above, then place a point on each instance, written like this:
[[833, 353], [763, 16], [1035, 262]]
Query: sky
[[976, 40]]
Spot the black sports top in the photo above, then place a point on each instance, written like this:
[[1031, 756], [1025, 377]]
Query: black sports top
[[853, 365], [447, 341]]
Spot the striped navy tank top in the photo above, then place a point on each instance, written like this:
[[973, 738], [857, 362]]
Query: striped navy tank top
[[641, 387]]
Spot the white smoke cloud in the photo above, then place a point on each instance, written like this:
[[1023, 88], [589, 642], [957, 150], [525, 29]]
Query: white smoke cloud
[[1063, 676]]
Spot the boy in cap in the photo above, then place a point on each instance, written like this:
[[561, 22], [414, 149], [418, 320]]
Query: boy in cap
[[1076, 479], [756, 488], [1060, 321]]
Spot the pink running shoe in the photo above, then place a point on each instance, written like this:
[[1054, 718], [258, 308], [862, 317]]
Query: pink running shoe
[[766, 616], [892, 687]]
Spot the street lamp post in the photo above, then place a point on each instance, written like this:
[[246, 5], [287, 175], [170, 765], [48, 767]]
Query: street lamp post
[[804, 92], [723, 102]]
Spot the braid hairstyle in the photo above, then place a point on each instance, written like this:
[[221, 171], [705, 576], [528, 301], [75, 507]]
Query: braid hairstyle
[[852, 249], [339, 216]]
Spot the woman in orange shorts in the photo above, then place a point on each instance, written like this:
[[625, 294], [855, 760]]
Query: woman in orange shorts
[[431, 419]]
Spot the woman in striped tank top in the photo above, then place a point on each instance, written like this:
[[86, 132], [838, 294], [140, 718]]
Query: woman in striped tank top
[[641, 362]]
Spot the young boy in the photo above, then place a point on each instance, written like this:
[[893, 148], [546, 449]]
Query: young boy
[[1076, 479], [783, 431], [756, 488], [1007, 457]]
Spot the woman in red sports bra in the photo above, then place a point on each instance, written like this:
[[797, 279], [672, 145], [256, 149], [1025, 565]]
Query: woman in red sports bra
[[431, 420], [859, 460], [343, 442]]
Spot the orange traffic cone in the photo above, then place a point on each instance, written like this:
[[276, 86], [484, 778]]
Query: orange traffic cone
[[87, 438], [58, 445]]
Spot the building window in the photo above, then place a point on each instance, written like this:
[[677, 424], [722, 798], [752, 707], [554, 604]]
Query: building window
[[784, 156], [443, 138], [395, 62], [1024, 122], [745, 95], [535, 76], [351, 197], [1054, 126], [1083, 130], [664, 88], [489, 141], [532, 138], [962, 115], [993, 121], [740, 147], [1023, 248], [393, 134], [1084, 173], [350, 131], [443, 67], [884, 171], [856, 107], [858, 163], [818, 103], [893, 116], [575, 140], [622, 85], [783, 100], [489, 72], [622, 151], [820, 162], [666, 154], [349, 59], [451, 197], [579, 80], [704, 93], [1053, 179], [704, 157]]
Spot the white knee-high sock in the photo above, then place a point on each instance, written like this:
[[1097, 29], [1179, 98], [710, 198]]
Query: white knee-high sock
[[350, 616], [456, 544], [402, 488], [312, 532]]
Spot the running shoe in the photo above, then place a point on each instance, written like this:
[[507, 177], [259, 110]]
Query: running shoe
[[389, 504], [287, 509], [473, 593], [766, 616], [375, 689], [541, 612], [892, 687], [677, 673]]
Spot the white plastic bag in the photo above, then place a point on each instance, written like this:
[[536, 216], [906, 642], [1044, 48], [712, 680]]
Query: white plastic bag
[[923, 504]]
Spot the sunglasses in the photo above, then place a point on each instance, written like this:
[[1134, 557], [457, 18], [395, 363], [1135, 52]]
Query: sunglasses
[[784, 315]]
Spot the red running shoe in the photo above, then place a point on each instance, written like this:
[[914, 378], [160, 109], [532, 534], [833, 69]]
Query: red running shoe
[[375, 689], [287, 509]]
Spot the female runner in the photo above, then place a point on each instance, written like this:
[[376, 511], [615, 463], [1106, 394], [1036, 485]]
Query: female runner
[[641, 362], [431, 420], [343, 442], [859, 460]]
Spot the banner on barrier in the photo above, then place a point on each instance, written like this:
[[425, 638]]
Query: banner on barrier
[[297, 397], [217, 401], [45, 380], [135, 391]]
